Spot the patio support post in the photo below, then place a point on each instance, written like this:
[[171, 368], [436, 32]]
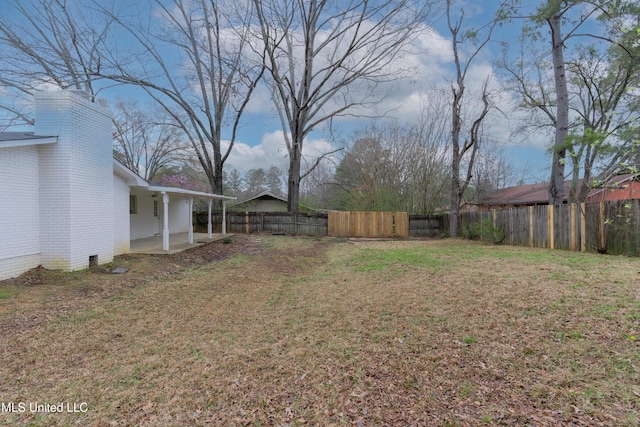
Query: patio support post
[[209, 228], [224, 217], [165, 220], [190, 239]]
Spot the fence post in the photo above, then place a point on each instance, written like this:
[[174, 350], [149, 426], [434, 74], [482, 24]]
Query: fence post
[[550, 212], [531, 233], [572, 245], [246, 222], [602, 225], [583, 228]]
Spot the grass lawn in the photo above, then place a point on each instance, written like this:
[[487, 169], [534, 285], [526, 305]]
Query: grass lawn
[[275, 331]]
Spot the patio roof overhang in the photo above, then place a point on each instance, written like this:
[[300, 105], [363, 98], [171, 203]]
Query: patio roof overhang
[[133, 180], [184, 192], [166, 191]]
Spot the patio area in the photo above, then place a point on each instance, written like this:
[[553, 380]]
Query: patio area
[[178, 242]]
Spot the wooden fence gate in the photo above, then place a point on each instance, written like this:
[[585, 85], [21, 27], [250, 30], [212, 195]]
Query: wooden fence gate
[[368, 224]]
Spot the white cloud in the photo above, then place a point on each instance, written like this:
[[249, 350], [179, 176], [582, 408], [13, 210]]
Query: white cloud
[[271, 151], [261, 102]]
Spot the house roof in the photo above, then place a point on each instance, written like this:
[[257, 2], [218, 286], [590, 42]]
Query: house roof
[[615, 182], [529, 194], [538, 194], [134, 180], [264, 195], [21, 139], [131, 178]]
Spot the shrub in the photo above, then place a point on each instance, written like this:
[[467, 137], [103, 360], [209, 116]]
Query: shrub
[[484, 230]]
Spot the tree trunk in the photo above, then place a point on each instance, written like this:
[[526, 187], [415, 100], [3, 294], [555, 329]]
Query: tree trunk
[[559, 149], [215, 177], [216, 185], [454, 213], [574, 189], [293, 182]]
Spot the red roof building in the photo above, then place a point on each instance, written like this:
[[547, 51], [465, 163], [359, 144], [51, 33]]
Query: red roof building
[[621, 187]]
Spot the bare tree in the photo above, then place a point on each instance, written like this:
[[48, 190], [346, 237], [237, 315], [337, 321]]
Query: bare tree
[[146, 140], [325, 58], [47, 42], [318, 188], [553, 14], [14, 110], [207, 90], [493, 171], [68, 44], [464, 142]]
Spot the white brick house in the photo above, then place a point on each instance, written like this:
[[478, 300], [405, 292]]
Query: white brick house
[[65, 202]]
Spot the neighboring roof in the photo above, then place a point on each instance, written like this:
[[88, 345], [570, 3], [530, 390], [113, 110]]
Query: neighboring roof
[[529, 194], [538, 194], [261, 196], [21, 139], [615, 182]]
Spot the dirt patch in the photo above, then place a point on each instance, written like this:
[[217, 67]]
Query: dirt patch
[[40, 295]]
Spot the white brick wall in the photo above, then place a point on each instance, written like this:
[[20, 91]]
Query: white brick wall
[[19, 211], [76, 181]]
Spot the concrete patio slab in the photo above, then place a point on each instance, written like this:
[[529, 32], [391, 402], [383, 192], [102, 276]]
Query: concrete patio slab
[[178, 242]]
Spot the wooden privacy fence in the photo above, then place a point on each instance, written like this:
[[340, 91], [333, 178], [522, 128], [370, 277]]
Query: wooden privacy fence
[[428, 225], [273, 222], [608, 227], [368, 224]]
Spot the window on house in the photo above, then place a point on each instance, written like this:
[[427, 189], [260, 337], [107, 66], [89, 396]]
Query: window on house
[[133, 204], [155, 208]]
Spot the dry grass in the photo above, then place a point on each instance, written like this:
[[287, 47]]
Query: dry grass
[[296, 331]]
